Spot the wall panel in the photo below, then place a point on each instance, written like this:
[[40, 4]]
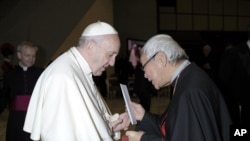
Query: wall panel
[[206, 15]]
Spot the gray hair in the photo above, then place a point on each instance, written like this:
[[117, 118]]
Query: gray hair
[[26, 44], [82, 40], [166, 44], [96, 39]]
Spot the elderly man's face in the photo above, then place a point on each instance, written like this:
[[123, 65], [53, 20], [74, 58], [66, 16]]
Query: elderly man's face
[[156, 69], [105, 54], [27, 56], [150, 71]]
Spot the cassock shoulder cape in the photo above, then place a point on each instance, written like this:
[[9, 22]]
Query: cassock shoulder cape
[[197, 112]]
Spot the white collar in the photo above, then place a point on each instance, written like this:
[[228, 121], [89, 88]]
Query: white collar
[[82, 60], [180, 68], [82, 64], [25, 68]]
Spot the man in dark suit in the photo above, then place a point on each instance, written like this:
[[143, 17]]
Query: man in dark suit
[[234, 75]]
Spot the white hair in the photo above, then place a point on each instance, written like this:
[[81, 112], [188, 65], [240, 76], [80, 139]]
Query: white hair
[[166, 44], [26, 44]]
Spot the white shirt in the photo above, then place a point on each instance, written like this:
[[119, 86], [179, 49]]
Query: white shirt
[[179, 69]]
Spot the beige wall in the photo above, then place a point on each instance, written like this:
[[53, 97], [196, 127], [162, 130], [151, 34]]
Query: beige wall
[[100, 10], [45, 23], [135, 19], [57, 30]]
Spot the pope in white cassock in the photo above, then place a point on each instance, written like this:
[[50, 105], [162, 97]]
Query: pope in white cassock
[[65, 104]]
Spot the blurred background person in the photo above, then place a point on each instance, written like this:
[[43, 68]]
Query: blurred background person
[[124, 71], [207, 61], [101, 84], [18, 84], [142, 87], [234, 76], [7, 52]]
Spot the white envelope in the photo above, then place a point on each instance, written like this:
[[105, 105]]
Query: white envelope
[[127, 100]]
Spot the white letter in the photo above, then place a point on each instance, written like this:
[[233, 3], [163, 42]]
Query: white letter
[[237, 132], [243, 131]]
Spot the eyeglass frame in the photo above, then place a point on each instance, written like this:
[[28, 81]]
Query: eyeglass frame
[[143, 66]]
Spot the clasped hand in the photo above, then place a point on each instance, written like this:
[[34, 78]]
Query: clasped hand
[[123, 122]]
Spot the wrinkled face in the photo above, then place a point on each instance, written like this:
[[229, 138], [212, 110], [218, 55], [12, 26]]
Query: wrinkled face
[[156, 69], [27, 56], [104, 54]]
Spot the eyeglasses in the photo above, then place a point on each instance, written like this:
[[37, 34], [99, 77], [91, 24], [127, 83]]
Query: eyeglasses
[[143, 66]]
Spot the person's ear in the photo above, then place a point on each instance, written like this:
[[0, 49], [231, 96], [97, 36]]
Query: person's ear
[[19, 55], [161, 58], [90, 46]]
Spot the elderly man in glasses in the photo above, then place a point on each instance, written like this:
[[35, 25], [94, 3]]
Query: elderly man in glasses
[[197, 111]]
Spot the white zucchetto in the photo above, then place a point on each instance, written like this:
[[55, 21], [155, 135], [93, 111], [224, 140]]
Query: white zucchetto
[[98, 28]]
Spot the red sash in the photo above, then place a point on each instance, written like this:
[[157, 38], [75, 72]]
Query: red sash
[[20, 102], [163, 126], [124, 138]]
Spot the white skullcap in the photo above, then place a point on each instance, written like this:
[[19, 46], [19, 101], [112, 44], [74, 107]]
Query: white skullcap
[[98, 28]]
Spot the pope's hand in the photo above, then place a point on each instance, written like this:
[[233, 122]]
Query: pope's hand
[[134, 135], [122, 123]]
